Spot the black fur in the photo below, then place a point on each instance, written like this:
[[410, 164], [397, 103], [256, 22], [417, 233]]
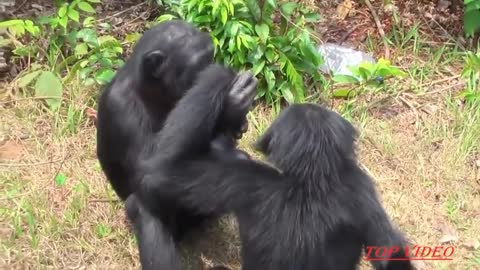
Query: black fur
[[164, 64], [159, 221], [317, 210]]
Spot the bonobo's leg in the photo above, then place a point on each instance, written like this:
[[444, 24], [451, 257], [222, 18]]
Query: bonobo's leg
[[156, 244]]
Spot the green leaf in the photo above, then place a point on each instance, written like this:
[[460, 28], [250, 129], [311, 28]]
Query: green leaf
[[62, 11], [9, 23], [472, 6], [165, 17], [270, 78], [48, 84], [88, 22], [63, 21], [85, 6], [390, 71], [270, 55], [104, 76], [28, 78], [254, 9], [272, 3], [341, 93], [81, 49], [312, 17], [365, 73], [258, 67], [74, 15], [224, 15], [60, 179], [262, 31], [288, 8], [345, 79], [132, 37], [471, 22], [95, 1], [287, 94], [88, 35]]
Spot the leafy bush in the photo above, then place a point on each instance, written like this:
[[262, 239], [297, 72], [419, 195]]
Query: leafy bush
[[246, 37], [68, 41], [471, 16], [367, 74]]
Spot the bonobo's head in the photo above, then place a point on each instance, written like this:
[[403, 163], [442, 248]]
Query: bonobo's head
[[171, 55], [309, 141]]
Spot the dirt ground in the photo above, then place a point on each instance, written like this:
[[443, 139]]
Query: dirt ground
[[419, 141]]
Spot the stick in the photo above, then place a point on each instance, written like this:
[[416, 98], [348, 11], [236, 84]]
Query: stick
[[380, 28]]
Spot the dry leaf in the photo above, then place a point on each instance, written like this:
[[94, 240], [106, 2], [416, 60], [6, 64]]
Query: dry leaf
[[472, 244], [344, 8], [477, 163], [448, 238]]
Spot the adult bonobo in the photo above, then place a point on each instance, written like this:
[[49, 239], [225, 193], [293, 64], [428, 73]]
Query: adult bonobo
[[164, 64], [157, 221]]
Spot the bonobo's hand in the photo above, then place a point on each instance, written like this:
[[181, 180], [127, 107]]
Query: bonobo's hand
[[238, 103]]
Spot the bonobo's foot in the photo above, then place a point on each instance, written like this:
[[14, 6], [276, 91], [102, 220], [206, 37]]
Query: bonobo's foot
[[240, 99], [132, 207]]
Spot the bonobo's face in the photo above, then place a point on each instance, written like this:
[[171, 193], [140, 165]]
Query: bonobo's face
[[180, 53]]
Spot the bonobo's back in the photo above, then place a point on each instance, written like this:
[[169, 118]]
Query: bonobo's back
[[163, 65]]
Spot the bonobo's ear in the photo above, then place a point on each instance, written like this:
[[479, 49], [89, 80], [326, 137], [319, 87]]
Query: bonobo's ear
[[153, 61]]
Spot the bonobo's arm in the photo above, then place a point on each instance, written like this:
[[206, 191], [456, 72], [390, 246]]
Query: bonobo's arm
[[207, 185], [379, 232], [156, 245], [199, 116]]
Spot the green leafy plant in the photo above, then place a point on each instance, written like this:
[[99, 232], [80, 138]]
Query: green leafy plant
[[471, 17], [69, 43], [99, 56], [47, 85], [471, 72], [366, 74], [282, 56]]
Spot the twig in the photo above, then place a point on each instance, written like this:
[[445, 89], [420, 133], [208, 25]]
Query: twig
[[103, 201], [347, 34], [415, 111], [441, 27], [123, 11], [380, 28], [441, 89], [60, 167], [300, 28], [30, 98], [441, 80], [30, 164]]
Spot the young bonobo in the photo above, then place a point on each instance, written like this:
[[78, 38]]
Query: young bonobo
[[317, 211], [219, 101]]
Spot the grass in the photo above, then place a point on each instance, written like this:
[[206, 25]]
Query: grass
[[420, 144]]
